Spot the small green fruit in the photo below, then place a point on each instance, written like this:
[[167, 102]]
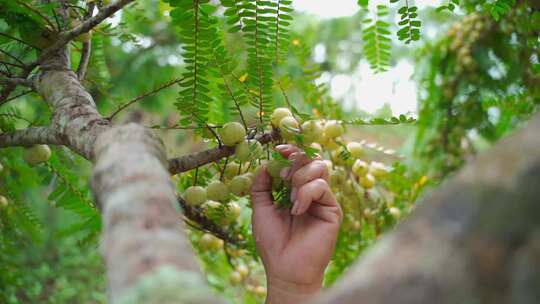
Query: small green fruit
[[195, 195], [231, 170], [356, 149], [333, 129], [394, 212], [233, 210], [278, 115], [288, 127], [217, 191], [378, 170], [248, 150], [240, 185], [3, 201], [312, 131], [235, 277], [274, 167], [243, 270], [37, 154], [232, 133]]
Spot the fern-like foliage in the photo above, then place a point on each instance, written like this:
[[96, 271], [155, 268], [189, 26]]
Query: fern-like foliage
[[257, 16], [199, 36], [451, 6], [278, 29], [377, 42], [409, 24], [499, 8]]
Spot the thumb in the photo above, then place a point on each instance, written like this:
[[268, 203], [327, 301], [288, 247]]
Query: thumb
[[261, 190]]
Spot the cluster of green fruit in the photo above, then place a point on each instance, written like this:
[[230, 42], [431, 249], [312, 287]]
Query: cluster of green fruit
[[463, 36]]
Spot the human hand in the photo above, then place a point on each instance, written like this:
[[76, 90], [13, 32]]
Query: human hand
[[295, 245]]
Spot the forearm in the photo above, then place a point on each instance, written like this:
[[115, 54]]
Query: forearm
[[281, 292]]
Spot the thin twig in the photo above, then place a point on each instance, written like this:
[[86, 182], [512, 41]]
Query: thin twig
[[13, 64], [16, 96], [143, 96]]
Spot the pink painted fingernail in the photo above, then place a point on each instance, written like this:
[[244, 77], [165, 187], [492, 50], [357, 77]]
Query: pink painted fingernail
[[294, 211], [293, 194], [281, 147]]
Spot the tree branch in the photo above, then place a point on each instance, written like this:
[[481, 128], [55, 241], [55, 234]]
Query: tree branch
[[195, 160], [85, 59], [65, 37], [30, 137], [16, 81]]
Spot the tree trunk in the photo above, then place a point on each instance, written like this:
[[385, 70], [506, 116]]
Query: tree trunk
[[474, 240], [148, 257]]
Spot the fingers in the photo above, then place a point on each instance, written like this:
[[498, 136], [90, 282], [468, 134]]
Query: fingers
[[287, 150], [312, 171], [261, 189], [317, 192]]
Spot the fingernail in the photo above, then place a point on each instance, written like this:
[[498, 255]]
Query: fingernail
[[293, 156], [293, 194], [284, 172], [281, 147], [294, 210]]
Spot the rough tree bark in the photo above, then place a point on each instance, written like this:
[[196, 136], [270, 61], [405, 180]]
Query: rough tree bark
[[474, 240], [148, 258]]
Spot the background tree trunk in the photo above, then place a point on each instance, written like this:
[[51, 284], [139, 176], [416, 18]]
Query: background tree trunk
[[474, 240]]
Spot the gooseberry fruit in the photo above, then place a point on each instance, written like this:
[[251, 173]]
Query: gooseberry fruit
[[356, 149], [217, 191], [360, 167], [240, 185], [232, 133], [288, 127], [37, 154], [208, 242], [333, 129], [394, 212], [235, 277], [231, 170], [278, 115], [274, 167], [367, 181], [3, 201], [243, 270], [312, 131], [378, 169], [248, 150], [195, 195]]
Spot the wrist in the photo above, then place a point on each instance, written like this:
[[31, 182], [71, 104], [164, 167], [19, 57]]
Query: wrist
[[284, 292]]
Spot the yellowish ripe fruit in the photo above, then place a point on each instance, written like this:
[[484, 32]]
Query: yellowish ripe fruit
[[234, 210], [333, 129], [378, 169], [288, 127], [250, 175], [260, 291], [360, 167], [316, 146], [235, 277], [232, 133], [312, 131], [37, 154], [394, 212], [367, 181], [356, 149], [278, 115], [243, 270], [207, 241], [240, 185], [217, 191], [231, 170], [248, 150], [3, 201], [329, 143], [195, 195]]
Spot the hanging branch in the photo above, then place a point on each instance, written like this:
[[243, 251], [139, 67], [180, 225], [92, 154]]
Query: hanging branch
[[144, 95], [85, 59], [195, 160]]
